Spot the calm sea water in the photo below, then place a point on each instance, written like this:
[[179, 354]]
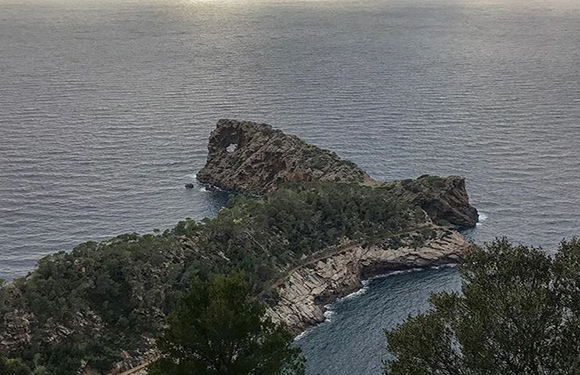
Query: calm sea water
[[106, 106]]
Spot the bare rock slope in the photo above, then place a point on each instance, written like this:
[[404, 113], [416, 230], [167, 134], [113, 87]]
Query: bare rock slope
[[255, 158]]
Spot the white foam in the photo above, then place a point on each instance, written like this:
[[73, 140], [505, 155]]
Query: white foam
[[410, 270], [304, 334], [328, 314], [481, 218], [393, 273], [209, 187], [359, 292]]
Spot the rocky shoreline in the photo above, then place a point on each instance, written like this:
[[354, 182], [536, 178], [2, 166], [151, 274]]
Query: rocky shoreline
[[307, 289]]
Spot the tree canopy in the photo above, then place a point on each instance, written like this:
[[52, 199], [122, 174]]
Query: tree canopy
[[86, 307], [13, 367], [218, 329], [518, 313]]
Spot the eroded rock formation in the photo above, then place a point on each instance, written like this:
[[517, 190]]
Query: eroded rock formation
[[415, 222], [255, 158]]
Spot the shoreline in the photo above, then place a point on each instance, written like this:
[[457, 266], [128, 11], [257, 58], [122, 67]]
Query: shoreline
[[307, 291], [362, 291]]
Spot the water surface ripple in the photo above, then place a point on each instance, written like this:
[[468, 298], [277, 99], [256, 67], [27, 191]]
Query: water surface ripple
[[106, 106]]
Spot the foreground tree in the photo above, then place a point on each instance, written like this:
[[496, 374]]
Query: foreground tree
[[518, 314], [217, 329]]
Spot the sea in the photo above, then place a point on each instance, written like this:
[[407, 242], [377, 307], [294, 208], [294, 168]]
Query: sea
[[106, 107]]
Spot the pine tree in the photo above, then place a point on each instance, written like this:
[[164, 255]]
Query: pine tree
[[217, 329], [518, 314]]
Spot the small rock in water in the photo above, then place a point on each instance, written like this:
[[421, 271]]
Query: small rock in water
[[189, 186]]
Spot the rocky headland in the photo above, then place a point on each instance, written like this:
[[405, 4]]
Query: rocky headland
[[255, 158], [306, 290], [309, 228]]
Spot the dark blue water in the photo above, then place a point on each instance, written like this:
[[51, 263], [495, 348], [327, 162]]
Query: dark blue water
[[351, 340], [106, 106]]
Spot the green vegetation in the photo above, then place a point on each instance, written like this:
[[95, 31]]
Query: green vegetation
[[79, 310], [18, 367], [518, 314], [218, 329], [13, 367], [518, 311]]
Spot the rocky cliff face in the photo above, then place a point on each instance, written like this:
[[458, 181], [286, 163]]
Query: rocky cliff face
[[445, 200], [307, 289], [255, 158]]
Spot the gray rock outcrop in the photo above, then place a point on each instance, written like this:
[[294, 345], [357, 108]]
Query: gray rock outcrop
[[307, 289], [444, 199], [255, 158]]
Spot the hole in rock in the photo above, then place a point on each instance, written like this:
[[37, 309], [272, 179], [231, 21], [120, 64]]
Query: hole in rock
[[231, 148]]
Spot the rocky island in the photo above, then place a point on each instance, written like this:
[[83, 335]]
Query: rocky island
[[307, 228]]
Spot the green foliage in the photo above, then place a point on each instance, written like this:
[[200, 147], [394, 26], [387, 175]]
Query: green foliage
[[217, 329], [518, 314], [13, 367], [97, 300], [304, 219], [86, 306], [262, 236], [187, 227]]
